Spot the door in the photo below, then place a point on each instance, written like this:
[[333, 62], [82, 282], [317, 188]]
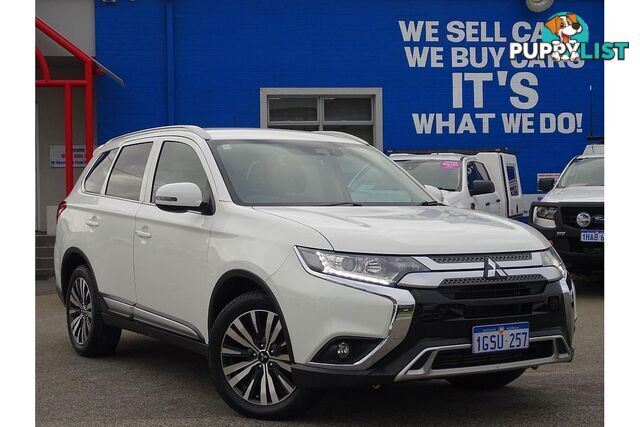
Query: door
[[109, 217], [484, 202], [513, 186], [171, 248]]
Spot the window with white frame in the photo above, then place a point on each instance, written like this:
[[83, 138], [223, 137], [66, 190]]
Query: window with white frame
[[351, 112]]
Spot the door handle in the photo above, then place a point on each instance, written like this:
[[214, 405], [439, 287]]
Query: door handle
[[92, 222], [143, 234], [488, 204]]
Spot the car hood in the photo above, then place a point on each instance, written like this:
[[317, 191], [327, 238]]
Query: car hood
[[413, 230], [575, 194]]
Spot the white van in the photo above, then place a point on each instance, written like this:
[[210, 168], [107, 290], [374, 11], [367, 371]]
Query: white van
[[483, 181]]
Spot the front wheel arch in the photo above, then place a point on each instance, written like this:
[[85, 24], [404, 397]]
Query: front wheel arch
[[234, 283]]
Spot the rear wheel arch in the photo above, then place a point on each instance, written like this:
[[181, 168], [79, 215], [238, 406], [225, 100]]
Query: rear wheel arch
[[72, 259], [235, 283]]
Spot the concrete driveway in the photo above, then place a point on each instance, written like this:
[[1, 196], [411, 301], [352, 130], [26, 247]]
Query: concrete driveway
[[148, 382]]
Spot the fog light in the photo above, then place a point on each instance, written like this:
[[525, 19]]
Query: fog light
[[343, 350], [554, 303]]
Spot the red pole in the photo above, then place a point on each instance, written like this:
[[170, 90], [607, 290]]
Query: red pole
[[68, 139], [88, 113], [44, 67]]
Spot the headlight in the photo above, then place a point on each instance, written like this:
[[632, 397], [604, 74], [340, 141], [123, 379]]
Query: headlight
[[546, 212], [550, 258], [379, 270], [544, 216]]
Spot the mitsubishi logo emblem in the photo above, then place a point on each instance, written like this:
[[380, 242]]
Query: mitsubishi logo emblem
[[492, 269]]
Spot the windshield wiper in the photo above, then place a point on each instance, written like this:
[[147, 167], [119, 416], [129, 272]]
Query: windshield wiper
[[343, 204], [430, 203]]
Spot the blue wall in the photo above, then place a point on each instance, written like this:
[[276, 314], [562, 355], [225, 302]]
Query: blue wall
[[224, 52]]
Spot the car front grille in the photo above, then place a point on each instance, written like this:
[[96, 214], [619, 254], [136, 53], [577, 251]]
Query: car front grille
[[434, 313], [478, 287], [456, 259], [570, 213]]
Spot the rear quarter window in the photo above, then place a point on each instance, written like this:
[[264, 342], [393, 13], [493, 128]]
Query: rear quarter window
[[95, 179]]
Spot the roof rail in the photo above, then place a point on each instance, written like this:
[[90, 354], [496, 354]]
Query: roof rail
[[343, 135], [185, 128], [471, 151], [422, 156]]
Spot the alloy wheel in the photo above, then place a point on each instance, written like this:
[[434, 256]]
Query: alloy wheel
[[79, 311], [255, 358]]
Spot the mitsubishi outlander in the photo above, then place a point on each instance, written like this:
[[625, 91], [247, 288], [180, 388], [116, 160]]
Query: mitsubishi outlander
[[301, 261]]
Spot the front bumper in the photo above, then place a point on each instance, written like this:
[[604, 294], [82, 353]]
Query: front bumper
[[438, 343]]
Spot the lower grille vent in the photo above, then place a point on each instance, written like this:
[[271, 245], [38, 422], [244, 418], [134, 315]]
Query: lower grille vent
[[465, 358], [496, 290]]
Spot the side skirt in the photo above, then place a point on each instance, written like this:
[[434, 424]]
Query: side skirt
[[170, 337]]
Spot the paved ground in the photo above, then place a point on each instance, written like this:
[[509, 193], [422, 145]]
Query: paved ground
[[148, 382]]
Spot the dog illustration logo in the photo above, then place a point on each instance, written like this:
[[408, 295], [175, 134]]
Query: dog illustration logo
[[565, 37], [568, 29]]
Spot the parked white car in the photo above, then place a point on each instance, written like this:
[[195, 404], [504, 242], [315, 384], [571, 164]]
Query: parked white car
[[571, 214], [485, 181], [297, 262]]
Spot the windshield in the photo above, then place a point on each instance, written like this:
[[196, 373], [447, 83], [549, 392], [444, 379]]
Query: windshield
[[583, 172], [304, 173], [443, 174]]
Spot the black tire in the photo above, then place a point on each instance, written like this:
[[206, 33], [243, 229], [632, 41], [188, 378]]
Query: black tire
[[492, 381], [89, 336], [295, 402]]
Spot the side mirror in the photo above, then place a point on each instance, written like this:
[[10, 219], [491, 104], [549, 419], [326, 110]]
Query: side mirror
[[546, 184], [482, 187], [435, 193], [179, 197]]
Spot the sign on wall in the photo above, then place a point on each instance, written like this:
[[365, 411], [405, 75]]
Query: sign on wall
[[57, 156], [476, 53]]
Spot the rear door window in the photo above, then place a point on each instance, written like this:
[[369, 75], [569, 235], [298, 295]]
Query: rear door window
[[126, 177], [94, 181]]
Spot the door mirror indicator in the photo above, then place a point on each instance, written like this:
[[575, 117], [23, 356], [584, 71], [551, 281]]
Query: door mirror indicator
[[482, 187], [179, 197]]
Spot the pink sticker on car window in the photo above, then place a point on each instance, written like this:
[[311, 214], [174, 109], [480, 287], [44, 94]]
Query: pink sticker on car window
[[450, 164]]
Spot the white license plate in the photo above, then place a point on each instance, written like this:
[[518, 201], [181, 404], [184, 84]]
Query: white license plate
[[592, 236], [491, 338]]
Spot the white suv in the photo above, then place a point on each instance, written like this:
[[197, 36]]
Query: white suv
[[300, 261]]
